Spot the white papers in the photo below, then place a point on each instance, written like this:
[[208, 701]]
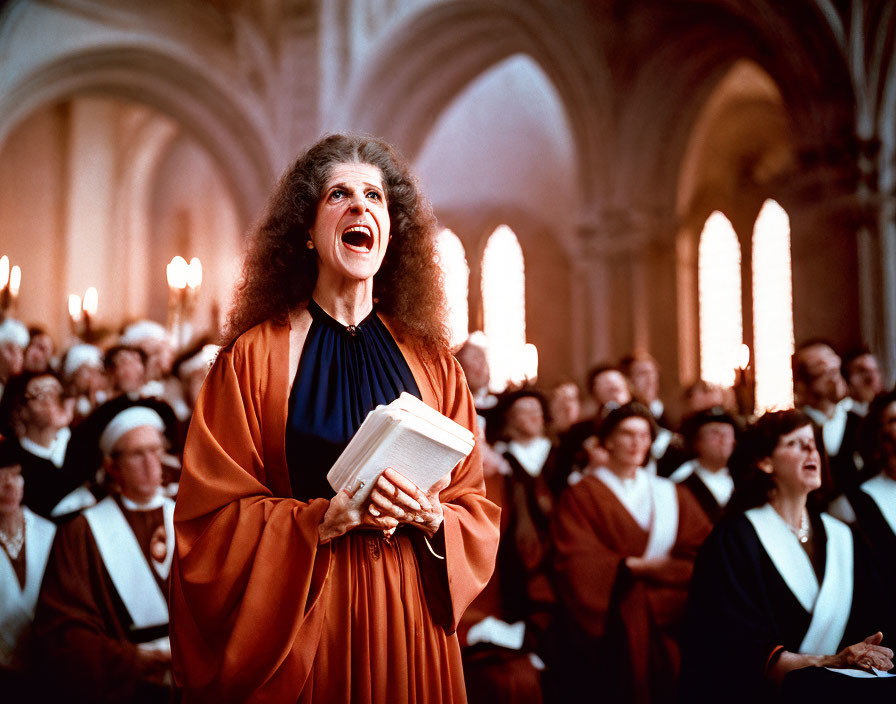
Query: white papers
[[850, 672], [415, 440]]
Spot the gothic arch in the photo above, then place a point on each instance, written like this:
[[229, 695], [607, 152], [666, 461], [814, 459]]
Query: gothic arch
[[165, 83], [429, 59]]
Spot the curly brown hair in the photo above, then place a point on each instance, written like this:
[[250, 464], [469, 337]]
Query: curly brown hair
[[279, 272]]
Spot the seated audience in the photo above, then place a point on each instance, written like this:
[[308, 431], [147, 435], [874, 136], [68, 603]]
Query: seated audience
[[863, 378], [25, 539], [624, 543], [784, 597], [820, 392], [101, 625], [711, 436], [51, 464]]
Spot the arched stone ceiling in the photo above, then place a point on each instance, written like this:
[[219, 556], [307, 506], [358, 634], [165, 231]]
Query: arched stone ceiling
[[431, 58], [504, 146]]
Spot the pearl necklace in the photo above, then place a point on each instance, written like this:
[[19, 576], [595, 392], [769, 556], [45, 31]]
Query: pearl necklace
[[13, 543], [802, 533]]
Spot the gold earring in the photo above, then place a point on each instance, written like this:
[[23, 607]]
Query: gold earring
[[309, 244]]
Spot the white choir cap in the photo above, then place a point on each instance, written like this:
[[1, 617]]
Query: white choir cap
[[127, 420], [136, 333], [14, 331], [79, 355], [201, 360]]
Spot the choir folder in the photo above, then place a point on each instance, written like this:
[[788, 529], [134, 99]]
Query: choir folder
[[407, 435]]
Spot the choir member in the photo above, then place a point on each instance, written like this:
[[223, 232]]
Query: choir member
[[38, 356], [26, 539], [51, 465], [624, 543], [283, 590], [711, 436], [871, 506], [785, 602], [862, 373], [565, 407], [101, 626], [821, 392]]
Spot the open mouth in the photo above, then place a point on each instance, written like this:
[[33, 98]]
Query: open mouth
[[358, 238], [810, 467]]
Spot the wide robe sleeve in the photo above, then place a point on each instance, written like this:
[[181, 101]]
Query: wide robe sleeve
[[470, 531], [245, 582]]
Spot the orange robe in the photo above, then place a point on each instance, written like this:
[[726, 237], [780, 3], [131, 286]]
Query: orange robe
[[259, 611], [619, 632]]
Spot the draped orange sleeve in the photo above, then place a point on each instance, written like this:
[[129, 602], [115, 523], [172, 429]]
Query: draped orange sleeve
[[259, 611]]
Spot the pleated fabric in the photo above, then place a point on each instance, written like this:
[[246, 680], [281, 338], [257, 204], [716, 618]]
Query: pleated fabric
[[260, 612]]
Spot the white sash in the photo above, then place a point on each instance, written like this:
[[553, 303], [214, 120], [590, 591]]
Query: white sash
[[17, 604], [882, 491], [664, 522], [126, 563], [828, 604]]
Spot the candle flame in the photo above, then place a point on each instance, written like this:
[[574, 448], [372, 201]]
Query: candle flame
[[194, 273], [4, 271], [74, 307], [15, 280], [177, 272], [91, 301]]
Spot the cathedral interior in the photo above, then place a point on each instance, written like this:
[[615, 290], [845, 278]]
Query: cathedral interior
[[617, 141]]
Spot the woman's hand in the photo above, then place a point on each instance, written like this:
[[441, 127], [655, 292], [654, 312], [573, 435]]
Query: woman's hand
[[865, 655], [862, 656], [344, 514], [399, 499]]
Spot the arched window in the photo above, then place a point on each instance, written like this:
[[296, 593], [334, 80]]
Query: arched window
[[721, 315], [772, 308], [453, 261], [504, 308]]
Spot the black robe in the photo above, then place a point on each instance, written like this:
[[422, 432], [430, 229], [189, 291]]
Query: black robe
[[740, 609], [704, 497]]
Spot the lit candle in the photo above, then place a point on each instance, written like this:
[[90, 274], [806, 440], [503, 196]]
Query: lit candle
[[177, 273], [194, 274], [4, 271], [74, 307], [91, 301], [15, 281]]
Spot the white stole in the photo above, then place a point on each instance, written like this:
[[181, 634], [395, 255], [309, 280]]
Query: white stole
[[126, 563], [664, 523], [882, 490], [17, 604], [831, 602]]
